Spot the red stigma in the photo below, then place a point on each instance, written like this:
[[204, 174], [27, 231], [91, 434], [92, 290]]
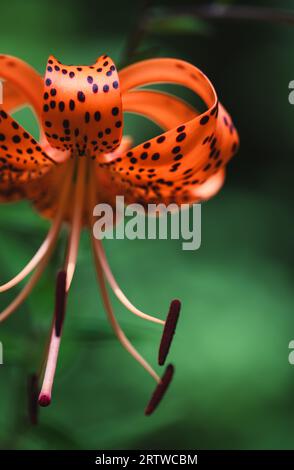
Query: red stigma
[[44, 400]]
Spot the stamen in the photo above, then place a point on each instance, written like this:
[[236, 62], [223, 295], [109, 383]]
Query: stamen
[[33, 399], [160, 390], [49, 241], [125, 144], [169, 330], [117, 290], [114, 323], [63, 283], [105, 297]]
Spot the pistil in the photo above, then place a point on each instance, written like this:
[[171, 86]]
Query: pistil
[[63, 283]]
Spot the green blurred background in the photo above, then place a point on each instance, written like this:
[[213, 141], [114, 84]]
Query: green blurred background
[[233, 387]]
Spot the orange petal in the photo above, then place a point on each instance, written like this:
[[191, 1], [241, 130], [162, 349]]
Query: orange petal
[[210, 187], [166, 110], [172, 165], [22, 159], [13, 98], [22, 84], [82, 108]]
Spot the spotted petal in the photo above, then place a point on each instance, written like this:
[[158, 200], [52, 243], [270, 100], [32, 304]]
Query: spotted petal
[[173, 164], [22, 159], [82, 107]]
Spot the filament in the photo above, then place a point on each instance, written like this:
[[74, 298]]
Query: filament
[[114, 323], [106, 300], [117, 290], [21, 297], [107, 270], [47, 243], [41, 258]]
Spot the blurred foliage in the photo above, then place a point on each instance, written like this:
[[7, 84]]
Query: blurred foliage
[[233, 386], [180, 24]]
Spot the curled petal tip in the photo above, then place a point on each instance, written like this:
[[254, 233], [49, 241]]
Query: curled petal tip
[[33, 399], [44, 400], [169, 330], [160, 390]]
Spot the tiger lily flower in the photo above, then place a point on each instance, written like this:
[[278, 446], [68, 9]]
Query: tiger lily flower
[[82, 158]]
